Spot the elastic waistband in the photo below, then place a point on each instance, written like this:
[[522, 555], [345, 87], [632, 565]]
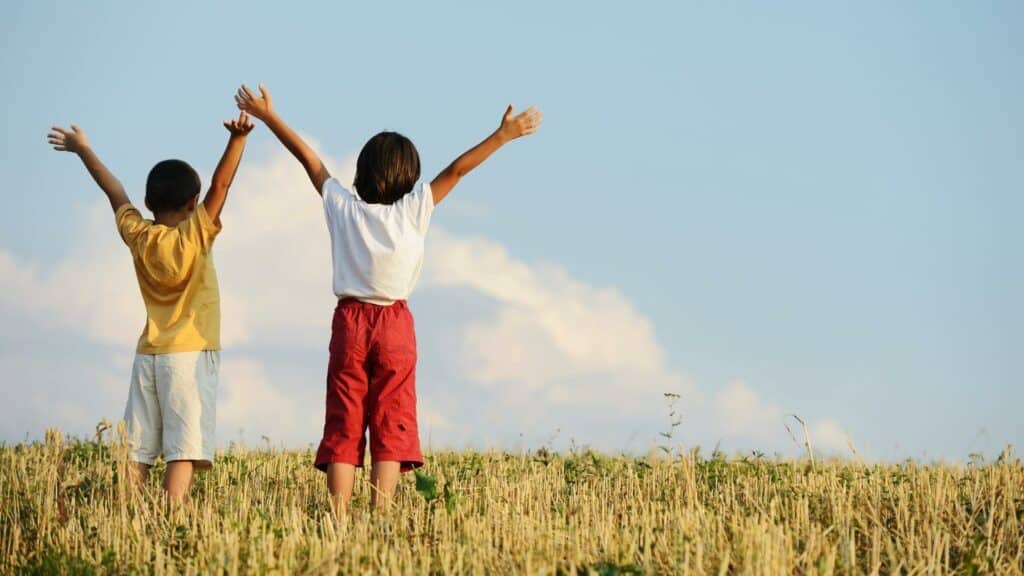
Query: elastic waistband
[[355, 303]]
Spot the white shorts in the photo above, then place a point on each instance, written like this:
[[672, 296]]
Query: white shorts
[[172, 407]]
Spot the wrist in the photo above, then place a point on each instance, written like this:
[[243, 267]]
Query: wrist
[[269, 117]]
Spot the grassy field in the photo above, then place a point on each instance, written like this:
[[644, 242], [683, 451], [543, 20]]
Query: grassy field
[[64, 509]]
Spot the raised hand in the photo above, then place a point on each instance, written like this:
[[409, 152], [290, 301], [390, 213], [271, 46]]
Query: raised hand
[[224, 174], [240, 126], [73, 140], [65, 140], [259, 106], [514, 126]]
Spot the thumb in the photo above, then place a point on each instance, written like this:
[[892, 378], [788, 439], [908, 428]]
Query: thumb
[[264, 93], [508, 111], [75, 128]]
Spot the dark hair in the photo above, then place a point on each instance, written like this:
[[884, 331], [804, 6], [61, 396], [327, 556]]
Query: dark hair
[[170, 185], [387, 168]]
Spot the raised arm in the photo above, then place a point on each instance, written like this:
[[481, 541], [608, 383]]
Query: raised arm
[[511, 127], [74, 141], [224, 174], [262, 108]]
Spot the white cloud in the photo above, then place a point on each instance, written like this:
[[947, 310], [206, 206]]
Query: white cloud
[[430, 416], [250, 406], [546, 352], [91, 290], [273, 257], [828, 436], [552, 336], [741, 412], [269, 257]]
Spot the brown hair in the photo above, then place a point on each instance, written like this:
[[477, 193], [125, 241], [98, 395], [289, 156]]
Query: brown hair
[[387, 168]]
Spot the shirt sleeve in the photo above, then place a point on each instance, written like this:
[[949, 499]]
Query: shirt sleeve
[[130, 223], [208, 229], [418, 206], [334, 195], [198, 230]]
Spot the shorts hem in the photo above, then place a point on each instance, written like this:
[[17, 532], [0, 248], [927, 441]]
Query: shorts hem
[[142, 460], [321, 463], [199, 462], [408, 462]]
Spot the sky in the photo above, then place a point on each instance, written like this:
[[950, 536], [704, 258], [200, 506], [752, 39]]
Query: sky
[[769, 209]]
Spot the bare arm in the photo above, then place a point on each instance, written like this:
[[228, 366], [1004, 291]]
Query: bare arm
[[75, 141], [511, 127], [224, 174], [262, 108]]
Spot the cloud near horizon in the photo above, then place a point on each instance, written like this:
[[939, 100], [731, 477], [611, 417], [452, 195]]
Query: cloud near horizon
[[511, 352]]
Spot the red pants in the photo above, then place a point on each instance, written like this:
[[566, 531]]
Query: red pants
[[371, 383]]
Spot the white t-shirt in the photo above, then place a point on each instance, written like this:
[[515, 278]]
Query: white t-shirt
[[377, 248]]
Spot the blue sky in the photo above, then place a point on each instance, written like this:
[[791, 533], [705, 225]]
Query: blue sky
[[815, 209]]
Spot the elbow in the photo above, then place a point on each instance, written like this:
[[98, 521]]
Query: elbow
[[219, 186], [458, 170]]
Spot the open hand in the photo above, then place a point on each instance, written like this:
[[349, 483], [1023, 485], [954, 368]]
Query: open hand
[[259, 106], [72, 140], [240, 126], [527, 122]]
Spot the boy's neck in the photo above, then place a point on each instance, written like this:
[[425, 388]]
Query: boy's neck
[[172, 219]]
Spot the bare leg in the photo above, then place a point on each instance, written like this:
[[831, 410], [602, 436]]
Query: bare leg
[[385, 479], [178, 480], [341, 478], [138, 473]]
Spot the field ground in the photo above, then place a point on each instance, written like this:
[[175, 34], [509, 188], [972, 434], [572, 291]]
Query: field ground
[[64, 509]]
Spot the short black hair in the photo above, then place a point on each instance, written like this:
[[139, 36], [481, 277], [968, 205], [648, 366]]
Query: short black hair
[[170, 185], [387, 168]]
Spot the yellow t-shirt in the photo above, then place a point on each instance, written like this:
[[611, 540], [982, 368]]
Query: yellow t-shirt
[[177, 279]]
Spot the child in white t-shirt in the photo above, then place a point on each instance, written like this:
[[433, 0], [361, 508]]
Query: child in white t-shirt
[[377, 235]]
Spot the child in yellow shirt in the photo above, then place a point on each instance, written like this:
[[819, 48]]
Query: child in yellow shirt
[[171, 401]]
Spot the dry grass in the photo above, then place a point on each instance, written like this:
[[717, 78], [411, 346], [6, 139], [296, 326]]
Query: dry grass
[[64, 508]]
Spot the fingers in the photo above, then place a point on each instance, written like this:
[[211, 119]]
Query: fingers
[[57, 139], [529, 112], [243, 98], [530, 120], [59, 129], [243, 124]]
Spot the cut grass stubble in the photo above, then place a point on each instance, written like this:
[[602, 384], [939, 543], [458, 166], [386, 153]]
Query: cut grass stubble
[[64, 507]]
